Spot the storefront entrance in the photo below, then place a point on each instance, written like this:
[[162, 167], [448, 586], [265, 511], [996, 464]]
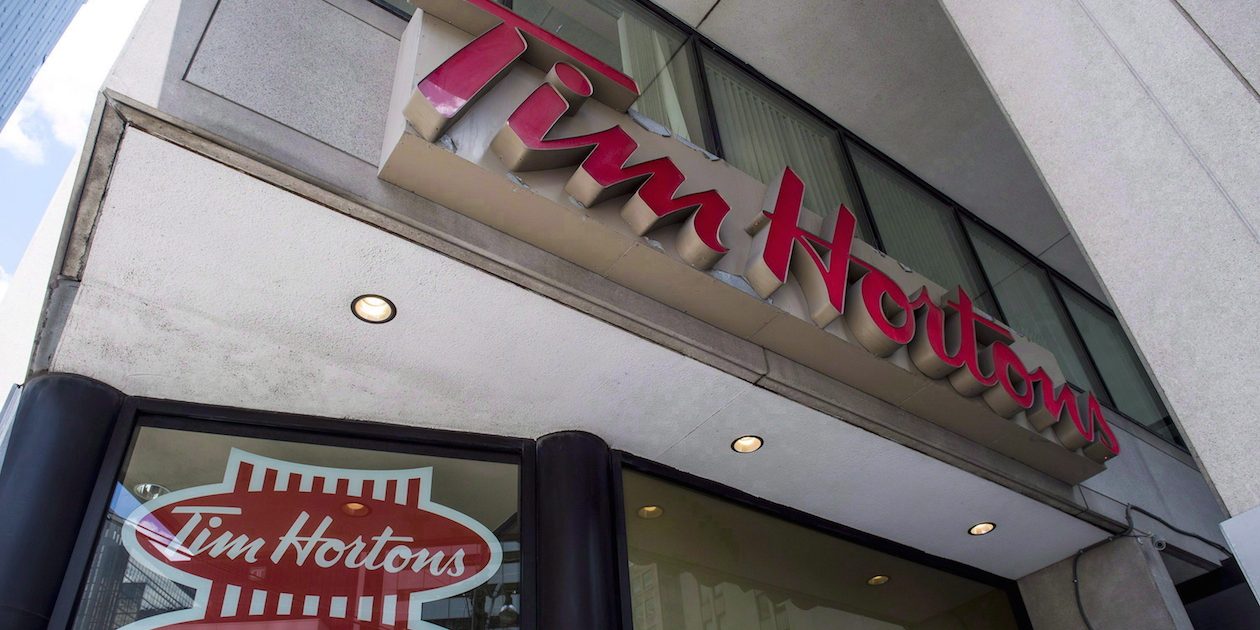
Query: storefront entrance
[[212, 518]]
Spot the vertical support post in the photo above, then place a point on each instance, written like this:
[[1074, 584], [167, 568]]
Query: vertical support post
[[59, 437], [1123, 584], [577, 560]]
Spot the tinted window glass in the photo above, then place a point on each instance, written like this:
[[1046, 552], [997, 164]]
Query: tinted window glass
[[701, 563], [234, 532], [638, 43], [1026, 295], [762, 132], [918, 229], [1131, 390]]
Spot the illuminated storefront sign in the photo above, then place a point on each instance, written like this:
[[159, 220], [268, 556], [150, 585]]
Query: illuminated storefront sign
[[277, 541], [549, 156]]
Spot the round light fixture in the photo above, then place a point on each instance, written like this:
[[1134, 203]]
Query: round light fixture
[[149, 491], [354, 508], [980, 529], [877, 580], [651, 511], [747, 444], [373, 309]]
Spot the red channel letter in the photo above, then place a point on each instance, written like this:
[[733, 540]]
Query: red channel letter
[[451, 87], [604, 170]]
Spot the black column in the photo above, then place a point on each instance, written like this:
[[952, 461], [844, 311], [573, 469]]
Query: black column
[[577, 559], [59, 436]]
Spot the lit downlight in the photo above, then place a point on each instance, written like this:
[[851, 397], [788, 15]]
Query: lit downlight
[[747, 444], [373, 309], [651, 511], [877, 580], [980, 529]]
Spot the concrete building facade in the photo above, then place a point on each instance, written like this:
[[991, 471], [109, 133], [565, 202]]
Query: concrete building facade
[[913, 334]]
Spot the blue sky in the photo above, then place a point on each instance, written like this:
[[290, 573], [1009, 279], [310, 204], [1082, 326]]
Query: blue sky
[[43, 135]]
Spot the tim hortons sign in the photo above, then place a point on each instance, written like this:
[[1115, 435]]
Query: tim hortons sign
[[500, 120], [277, 543]]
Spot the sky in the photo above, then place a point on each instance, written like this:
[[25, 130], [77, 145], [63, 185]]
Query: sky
[[50, 123]]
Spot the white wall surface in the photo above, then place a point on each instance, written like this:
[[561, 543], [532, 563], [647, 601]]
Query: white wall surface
[[1151, 146]]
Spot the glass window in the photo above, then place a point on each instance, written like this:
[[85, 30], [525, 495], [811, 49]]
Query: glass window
[[636, 42], [702, 563], [235, 532], [1026, 295], [918, 229], [761, 132], [1131, 390]]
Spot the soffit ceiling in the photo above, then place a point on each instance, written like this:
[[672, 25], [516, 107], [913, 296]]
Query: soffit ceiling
[[215, 309], [896, 74]]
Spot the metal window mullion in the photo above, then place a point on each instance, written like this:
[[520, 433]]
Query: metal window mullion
[[975, 256], [1090, 363], [867, 212], [708, 113]]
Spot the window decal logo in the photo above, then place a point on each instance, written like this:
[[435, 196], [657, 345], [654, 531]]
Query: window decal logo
[[282, 542]]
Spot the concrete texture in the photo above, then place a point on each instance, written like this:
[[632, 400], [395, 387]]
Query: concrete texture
[[276, 314], [1123, 584], [1149, 144], [304, 63], [1231, 27]]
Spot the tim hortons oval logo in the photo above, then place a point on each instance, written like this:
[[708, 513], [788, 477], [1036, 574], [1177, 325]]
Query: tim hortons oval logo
[[277, 541]]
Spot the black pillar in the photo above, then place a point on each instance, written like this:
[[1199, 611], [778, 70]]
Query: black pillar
[[578, 574], [59, 437]]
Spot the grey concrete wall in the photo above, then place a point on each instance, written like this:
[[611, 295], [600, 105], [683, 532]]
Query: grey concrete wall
[[303, 96], [1149, 142], [1123, 585], [1231, 28]]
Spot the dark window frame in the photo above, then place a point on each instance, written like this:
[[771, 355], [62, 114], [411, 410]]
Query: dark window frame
[[699, 45], [138, 413], [622, 460]]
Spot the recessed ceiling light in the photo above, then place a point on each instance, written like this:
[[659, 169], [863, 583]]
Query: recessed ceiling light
[[877, 580], [747, 444], [980, 529], [651, 511], [354, 508], [373, 309]]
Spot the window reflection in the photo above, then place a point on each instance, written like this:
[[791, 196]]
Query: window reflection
[[1131, 390], [123, 588], [636, 42], [918, 229], [762, 132], [708, 564], [1028, 301]]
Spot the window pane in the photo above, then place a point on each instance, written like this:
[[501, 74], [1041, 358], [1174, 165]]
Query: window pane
[[705, 563], [638, 43], [1131, 390], [918, 229], [226, 530], [762, 132], [1031, 308]]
